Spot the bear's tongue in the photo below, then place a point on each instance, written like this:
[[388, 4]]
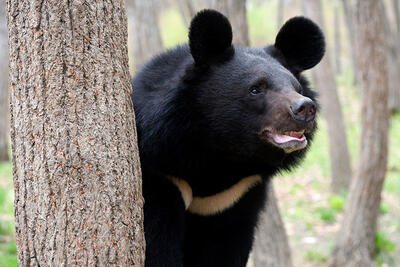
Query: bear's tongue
[[287, 137]]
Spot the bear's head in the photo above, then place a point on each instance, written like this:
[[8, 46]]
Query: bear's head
[[255, 104]]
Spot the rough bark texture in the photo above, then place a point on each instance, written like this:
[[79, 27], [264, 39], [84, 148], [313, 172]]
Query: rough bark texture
[[236, 12], [271, 248], [355, 242], [348, 16], [76, 169], [145, 38], [324, 78], [4, 103]]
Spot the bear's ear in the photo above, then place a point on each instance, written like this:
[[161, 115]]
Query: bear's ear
[[210, 37], [301, 42]]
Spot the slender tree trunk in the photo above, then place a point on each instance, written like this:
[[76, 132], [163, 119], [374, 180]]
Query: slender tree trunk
[[393, 58], [271, 248], [145, 38], [355, 241], [236, 12], [396, 15], [75, 158], [337, 42], [4, 103], [348, 16], [324, 78], [279, 14]]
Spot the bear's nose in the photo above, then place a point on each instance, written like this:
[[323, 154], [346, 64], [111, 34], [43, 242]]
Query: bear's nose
[[303, 109]]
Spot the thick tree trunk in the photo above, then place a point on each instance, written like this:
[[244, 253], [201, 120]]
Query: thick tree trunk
[[4, 103], [76, 169], [271, 248], [348, 16], [355, 242], [145, 38], [337, 42], [236, 12], [324, 78]]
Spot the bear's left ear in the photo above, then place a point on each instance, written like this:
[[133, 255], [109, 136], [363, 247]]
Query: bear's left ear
[[210, 37], [301, 42]]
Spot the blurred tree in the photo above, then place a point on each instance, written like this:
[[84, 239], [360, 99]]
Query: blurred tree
[[337, 42], [4, 103], [393, 58], [279, 14], [75, 157], [355, 240], [348, 16], [236, 12], [145, 38], [324, 79], [271, 247], [187, 8]]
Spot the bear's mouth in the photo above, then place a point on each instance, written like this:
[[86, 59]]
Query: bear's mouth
[[288, 141]]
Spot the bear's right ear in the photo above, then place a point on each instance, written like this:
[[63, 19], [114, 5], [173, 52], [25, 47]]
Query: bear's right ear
[[210, 37]]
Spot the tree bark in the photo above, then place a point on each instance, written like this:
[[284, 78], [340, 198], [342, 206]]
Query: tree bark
[[355, 241], [271, 248], [348, 15], [324, 78], [145, 38], [75, 157], [337, 42], [236, 12], [4, 103]]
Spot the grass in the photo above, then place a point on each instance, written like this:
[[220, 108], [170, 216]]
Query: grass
[[8, 249]]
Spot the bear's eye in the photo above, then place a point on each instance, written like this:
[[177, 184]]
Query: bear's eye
[[254, 90]]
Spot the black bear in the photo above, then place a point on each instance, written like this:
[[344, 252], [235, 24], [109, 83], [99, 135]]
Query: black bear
[[215, 122]]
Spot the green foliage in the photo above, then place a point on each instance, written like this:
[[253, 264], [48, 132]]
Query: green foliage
[[172, 28], [6, 227], [325, 214], [382, 243], [8, 261], [384, 208], [336, 202], [11, 248], [315, 256]]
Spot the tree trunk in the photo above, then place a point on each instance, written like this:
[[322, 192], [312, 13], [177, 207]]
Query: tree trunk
[[393, 59], [236, 12], [279, 14], [271, 248], [145, 38], [324, 78], [348, 15], [3, 86], [355, 242], [337, 42], [75, 158], [187, 8]]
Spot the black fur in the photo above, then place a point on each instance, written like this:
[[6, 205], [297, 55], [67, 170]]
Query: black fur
[[198, 120], [301, 42]]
